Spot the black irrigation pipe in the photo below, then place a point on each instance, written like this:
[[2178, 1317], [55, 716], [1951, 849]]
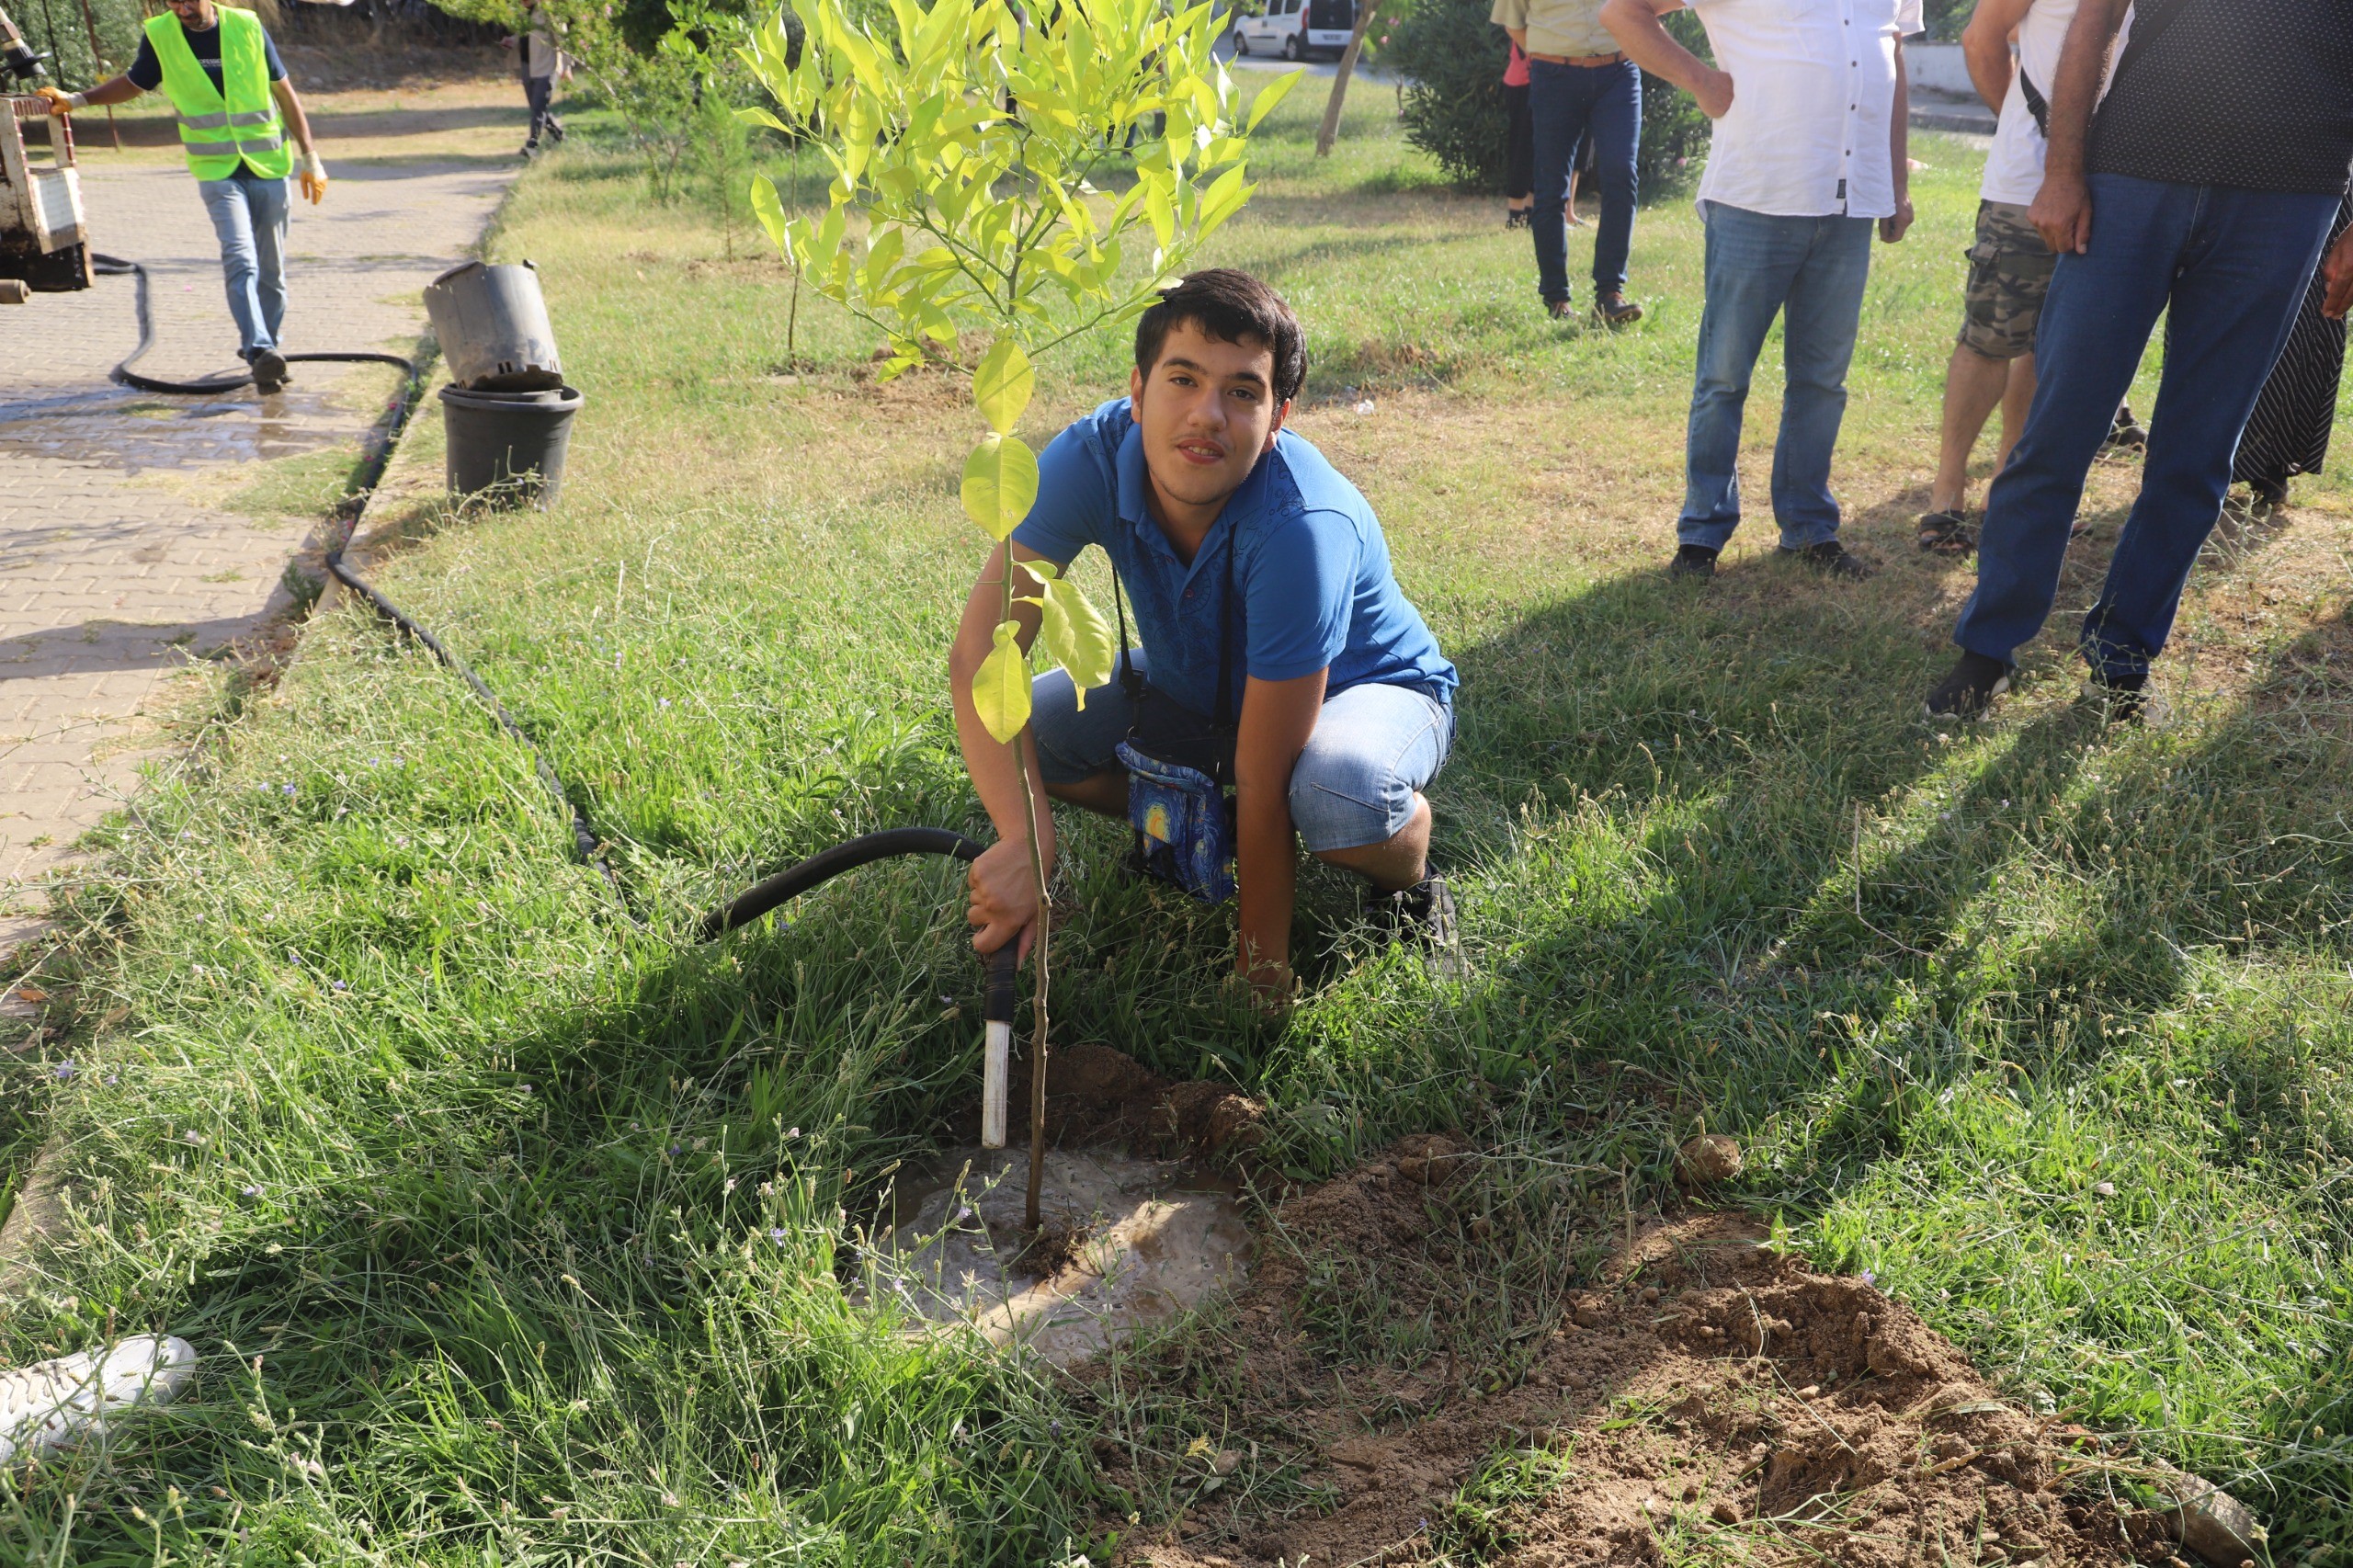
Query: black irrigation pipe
[[742, 910]]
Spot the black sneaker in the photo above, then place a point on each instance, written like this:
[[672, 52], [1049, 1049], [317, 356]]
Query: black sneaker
[[1969, 691], [2125, 699], [270, 371], [1424, 913], [1516, 218], [2124, 432], [1832, 559], [1693, 560], [1561, 310]]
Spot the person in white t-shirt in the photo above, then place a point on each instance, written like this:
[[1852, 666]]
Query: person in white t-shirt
[[1809, 151]]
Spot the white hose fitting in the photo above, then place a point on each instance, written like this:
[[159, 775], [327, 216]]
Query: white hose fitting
[[997, 1070]]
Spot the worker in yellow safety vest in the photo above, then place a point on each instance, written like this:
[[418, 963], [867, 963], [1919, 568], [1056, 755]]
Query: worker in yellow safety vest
[[235, 106]]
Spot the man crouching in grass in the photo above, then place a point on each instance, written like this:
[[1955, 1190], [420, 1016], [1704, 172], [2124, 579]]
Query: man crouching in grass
[[1267, 616]]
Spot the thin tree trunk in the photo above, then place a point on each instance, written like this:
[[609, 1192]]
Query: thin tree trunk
[[98, 71], [1330, 132]]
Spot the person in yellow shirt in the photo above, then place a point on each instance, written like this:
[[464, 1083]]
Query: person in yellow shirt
[[235, 108]]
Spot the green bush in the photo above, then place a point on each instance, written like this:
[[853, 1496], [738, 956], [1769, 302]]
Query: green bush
[[58, 29], [1452, 60]]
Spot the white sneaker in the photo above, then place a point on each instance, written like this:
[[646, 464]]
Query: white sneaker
[[52, 1404]]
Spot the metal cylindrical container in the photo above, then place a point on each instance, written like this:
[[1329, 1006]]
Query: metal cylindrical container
[[492, 324]]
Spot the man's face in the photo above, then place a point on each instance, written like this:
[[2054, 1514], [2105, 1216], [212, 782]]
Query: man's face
[[197, 13], [1208, 412]]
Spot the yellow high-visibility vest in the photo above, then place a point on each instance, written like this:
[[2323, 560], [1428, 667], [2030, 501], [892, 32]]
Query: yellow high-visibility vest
[[236, 122]]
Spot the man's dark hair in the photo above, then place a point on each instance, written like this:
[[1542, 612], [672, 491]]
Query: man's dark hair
[[1229, 306]]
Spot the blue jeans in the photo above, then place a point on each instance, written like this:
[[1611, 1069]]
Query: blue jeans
[[2230, 266], [1374, 747], [249, 215], [1565, 104], [1810, 272]]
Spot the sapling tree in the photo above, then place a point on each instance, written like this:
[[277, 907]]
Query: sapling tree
[[970, 137]]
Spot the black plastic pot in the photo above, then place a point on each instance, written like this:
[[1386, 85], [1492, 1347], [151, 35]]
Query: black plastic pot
[[508, 447]]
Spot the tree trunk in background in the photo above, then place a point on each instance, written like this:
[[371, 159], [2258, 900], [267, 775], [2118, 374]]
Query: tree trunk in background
[[1330, 132]]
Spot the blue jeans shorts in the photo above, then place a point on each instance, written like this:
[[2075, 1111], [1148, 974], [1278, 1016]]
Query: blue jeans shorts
[[1373, 748]]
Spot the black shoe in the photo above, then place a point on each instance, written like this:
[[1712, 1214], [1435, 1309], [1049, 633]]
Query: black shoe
[[2125, 699], [1561, 310], [1833, 560], [530, 150], [1423, 913], [2124, 432], [1516, 218], [555, 134], [270, 371], [1693, 560], [1969, 691]]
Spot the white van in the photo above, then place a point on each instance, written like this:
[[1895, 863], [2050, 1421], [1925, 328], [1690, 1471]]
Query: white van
[[1297, 28]]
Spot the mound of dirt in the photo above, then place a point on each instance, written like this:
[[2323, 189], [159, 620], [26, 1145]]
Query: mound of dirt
[[1707, 1399], [1098, 1097]]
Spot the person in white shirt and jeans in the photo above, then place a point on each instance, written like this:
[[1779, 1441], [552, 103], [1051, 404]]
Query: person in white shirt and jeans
[[1810, 149]]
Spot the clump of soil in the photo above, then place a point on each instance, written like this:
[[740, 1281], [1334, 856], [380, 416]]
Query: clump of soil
[[1704, 1397], [1096, 1096]]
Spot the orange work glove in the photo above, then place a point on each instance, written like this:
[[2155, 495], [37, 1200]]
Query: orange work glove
[[60, 102], [314, 178]]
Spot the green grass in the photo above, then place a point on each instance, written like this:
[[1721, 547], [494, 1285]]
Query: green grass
[[512, 1229]]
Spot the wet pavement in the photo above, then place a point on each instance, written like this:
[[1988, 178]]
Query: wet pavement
[[136, 538]]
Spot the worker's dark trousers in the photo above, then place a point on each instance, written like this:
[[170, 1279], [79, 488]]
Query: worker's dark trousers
[[539, 91]]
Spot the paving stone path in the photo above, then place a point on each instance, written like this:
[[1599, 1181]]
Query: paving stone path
[[124, 556]]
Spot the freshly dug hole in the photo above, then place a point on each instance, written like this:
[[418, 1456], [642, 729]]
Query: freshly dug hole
[[1698, 1397]]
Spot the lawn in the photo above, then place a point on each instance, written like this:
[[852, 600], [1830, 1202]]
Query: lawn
[[512, 1225]]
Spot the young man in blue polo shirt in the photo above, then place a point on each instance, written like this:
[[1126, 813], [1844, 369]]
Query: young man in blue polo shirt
[[1246, 555]]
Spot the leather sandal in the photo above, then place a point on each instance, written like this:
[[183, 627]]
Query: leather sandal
[[1947, 533]]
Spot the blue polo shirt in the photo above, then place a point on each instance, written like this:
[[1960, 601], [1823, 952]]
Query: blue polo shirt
[[1310, 569]]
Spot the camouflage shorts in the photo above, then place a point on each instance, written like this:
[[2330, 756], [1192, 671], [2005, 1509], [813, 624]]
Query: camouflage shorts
[[2009, 272]]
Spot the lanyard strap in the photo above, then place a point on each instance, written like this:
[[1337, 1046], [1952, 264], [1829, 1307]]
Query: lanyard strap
[[1132, 682]]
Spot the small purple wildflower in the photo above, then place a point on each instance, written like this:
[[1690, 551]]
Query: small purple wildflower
[[963, 1213], [661, 702], [64, 1069], [191, 1136], [252, 1191], [527, 1088], [113, 1078], [776, 1234], [287, 790], [1869, 1277], [675, 1148], [339, 985]]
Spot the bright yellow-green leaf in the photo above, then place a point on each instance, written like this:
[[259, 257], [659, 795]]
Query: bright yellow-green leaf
[[1001, 387], [758, 116], [1001, 687], [1270, 95], [1077, 637], [769, 210], [1000, 483]]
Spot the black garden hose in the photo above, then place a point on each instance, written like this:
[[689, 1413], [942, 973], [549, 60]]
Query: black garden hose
[[747, 907], [115, 267]]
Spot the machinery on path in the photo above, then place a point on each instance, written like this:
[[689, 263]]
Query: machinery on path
[[44, 241]]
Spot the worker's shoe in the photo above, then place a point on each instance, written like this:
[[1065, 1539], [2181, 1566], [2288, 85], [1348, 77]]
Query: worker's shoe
[[1969, 691], [270, 371], [1613, 309]]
